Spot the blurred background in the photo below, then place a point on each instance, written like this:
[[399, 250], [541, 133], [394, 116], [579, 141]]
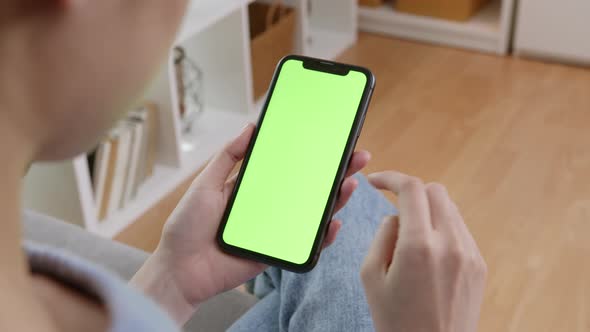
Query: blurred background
[[489, 97]]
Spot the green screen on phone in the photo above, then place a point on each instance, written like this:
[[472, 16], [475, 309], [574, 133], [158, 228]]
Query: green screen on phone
[[280, 202]]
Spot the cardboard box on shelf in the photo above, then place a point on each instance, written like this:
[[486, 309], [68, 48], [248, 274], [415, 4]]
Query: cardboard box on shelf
[[272, 31], [456, 10], [371, 3]]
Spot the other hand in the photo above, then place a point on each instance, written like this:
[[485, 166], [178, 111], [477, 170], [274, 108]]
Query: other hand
[[424, 271]]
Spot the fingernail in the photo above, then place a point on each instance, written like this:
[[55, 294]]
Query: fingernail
[[243, 130], [246, 127]]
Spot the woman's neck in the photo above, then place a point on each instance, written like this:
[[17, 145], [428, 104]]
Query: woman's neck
[[27, 303], [16, 153], [19, 307]]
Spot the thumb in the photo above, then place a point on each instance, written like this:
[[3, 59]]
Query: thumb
[[220, 167], [381, 252]]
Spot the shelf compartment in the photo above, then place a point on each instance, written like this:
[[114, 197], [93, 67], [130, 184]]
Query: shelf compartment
[[61, 190], [222, 53], [482, 32]]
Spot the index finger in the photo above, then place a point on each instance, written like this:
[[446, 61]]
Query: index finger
[[414, 210]]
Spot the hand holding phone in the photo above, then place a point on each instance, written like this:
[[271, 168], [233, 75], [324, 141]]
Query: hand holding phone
[[287, 187], [188, 257]]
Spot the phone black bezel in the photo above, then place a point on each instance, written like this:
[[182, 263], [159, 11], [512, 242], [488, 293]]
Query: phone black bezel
[[325, 66]]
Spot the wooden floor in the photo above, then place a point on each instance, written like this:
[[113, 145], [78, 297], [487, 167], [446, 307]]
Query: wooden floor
[[511, 140]]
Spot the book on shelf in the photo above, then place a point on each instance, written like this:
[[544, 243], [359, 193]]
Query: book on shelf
[[152, 123], [148, 114], [124, 161], [136, 160], [99, 173], [121, 167], [104, 196]]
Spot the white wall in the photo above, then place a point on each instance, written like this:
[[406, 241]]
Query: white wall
[[554, 29]]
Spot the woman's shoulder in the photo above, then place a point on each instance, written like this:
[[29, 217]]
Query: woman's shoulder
[[127, 308]]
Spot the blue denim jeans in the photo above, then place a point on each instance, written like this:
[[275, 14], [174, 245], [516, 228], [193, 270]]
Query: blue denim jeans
[[330, 297]]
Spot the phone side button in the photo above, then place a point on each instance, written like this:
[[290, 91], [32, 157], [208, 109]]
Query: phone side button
[[362, 123]]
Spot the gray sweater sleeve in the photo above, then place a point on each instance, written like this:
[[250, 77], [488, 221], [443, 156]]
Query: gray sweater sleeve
[[128, 309]]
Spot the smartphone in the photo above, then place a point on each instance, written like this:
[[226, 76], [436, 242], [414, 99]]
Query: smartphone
[[289, 182]]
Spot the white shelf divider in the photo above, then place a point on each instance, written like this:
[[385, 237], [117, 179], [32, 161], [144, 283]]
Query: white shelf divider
[[162, 93], [487, 31], [86, 199], [302, 29], [331, 27]]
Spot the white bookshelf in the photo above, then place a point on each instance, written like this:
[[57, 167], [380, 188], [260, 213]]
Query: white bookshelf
[[489, 30], [215, 35]]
